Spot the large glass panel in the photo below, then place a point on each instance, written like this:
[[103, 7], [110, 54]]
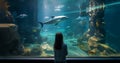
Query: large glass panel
[[72, 28], [90, 27]]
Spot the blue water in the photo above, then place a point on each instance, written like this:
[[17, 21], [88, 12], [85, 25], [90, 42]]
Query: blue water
[[75, 26]]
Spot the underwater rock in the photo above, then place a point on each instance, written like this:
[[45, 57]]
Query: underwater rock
[[5, 15], [83, 41], [47, 49], [96, 48], [43, 50], [97, 32], [37, 39], [9, 40], [32, 50], [83, 45], [46, 46], [93, 41], [36, 51], [27, 51], [108, 49]]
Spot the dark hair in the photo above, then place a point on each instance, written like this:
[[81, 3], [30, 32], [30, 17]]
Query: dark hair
[[58, 41]]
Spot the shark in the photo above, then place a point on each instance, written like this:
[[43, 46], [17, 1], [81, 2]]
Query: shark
[[54, 20]]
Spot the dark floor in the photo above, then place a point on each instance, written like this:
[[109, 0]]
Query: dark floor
[[51, 61], [69, 60]]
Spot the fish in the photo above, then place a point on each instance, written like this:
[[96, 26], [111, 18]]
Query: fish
[[54, 20], [22, 16]]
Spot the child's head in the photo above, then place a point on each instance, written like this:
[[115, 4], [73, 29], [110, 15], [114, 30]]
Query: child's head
[[58, 41]]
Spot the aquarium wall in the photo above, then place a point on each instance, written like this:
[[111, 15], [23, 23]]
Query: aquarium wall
[[90, 28], [72, 28]]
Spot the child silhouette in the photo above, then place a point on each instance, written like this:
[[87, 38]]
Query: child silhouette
[[60, 49]]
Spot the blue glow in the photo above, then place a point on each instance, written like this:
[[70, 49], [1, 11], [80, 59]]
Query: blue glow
[[116, 3], [93, 8]]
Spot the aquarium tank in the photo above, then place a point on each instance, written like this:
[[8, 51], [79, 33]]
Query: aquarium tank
[[90, 27]]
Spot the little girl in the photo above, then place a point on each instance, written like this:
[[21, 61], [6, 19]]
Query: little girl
[[60, 49]]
